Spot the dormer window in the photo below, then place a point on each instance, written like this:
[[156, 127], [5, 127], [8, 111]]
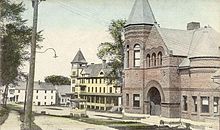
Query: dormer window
[[137, 55], [101, 73]]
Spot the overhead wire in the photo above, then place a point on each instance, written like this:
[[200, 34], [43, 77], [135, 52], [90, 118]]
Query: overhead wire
[[91, 12], [92, 15], [80, 13]]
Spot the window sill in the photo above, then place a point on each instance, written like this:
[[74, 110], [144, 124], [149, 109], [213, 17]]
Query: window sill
[[126, 107], [204, 114], [136, 107], [185, 112], [216, 114], [194, 113]]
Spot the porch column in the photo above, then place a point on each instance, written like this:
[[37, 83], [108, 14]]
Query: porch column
[[105, 103], [95, 101], [199, 105], [211, 106], [100, 103]]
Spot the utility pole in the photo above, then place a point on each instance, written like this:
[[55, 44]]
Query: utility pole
[[30, 88], [1, 39]]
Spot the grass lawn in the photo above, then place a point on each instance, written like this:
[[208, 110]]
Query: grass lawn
[[111, 123], [50, 108], [4, 112], [126, 125]]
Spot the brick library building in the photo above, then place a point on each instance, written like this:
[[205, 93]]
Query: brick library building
[[170, 72]]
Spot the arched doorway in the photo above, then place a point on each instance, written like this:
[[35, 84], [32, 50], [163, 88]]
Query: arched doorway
[[154, 99]]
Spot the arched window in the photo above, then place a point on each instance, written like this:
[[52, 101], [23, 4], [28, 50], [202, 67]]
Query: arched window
[[127, 56], [160, 58], [148, 60], [137, 55], [154, 60]]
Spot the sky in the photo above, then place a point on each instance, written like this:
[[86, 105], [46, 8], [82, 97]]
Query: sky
[[70, 25]]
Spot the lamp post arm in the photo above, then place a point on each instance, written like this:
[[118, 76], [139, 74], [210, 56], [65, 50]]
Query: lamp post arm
[[55, 55]]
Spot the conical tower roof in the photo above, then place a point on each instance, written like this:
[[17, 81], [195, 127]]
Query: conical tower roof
[[79, 58], [141, 13]]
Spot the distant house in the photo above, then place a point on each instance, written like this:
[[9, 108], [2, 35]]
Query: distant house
[[44, 93], [10, 96], [63, 94]]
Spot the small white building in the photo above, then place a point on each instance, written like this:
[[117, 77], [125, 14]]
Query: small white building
[[10, 94], [44, 93], [64, 94]]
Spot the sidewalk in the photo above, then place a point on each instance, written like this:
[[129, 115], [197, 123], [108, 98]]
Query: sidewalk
[[59, 123], [195, 125], [12, 123]]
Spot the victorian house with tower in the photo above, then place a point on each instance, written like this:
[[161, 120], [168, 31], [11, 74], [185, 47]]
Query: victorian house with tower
[[89, 82], [169, 72]]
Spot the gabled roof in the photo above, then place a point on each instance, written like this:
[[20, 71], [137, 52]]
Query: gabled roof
[[141, 13], [37, 86], [63, 89], [177, 41], [93, 70], [202, 42], [79, 58]]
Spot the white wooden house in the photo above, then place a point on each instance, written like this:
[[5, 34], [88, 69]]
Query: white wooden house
[[44, 93]]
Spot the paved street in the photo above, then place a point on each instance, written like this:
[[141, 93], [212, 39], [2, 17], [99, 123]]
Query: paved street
[[51, 123], [58, 123], [66, 111], [12, 123]]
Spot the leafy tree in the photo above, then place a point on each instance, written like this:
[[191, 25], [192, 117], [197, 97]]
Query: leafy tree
[[16, 40], [114, 50], [57, 80]]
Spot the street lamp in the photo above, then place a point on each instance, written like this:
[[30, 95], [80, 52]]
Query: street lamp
[[30, 86], [55, 55], [26, 76]]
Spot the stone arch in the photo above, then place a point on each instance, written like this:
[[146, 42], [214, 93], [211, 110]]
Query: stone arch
[[154, 83], [137, 41], [153, 97], [136, 45]]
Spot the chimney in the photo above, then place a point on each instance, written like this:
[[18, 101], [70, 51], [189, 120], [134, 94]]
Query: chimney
[[193, 25]]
